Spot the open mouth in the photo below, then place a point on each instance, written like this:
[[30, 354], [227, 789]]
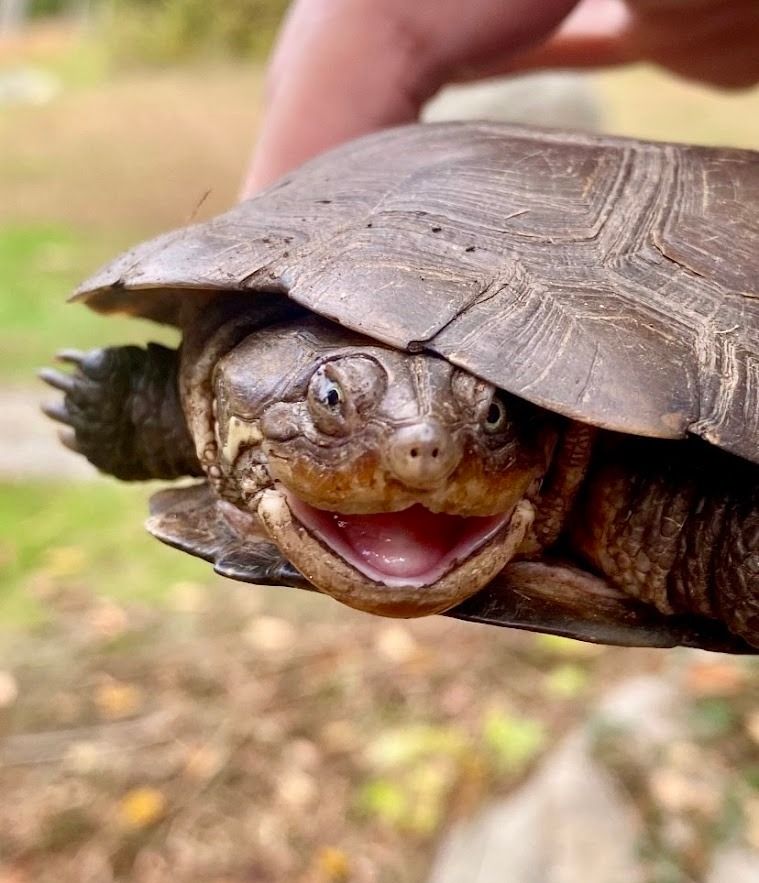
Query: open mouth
[[413, 547]]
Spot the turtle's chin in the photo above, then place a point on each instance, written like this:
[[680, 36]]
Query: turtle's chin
[[409, 563]]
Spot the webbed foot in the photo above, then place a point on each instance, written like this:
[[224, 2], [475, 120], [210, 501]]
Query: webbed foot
[[122, 407]]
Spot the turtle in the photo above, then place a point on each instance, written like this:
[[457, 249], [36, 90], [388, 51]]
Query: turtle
[[506, 373]]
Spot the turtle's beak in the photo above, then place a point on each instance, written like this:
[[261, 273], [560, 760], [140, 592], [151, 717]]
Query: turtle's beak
[[409, 563], [412, 547]]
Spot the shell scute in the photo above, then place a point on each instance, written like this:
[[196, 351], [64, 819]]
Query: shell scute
[[611, 280]]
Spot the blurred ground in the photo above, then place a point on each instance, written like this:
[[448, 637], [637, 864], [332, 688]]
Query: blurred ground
[[243, 736], [157, 723], [220, 741], [140, 153]]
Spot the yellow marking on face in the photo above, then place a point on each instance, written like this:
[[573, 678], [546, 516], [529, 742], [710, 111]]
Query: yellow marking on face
[[239, 433]]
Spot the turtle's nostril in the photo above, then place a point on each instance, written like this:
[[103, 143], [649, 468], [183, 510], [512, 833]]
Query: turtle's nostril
[[423, 455]]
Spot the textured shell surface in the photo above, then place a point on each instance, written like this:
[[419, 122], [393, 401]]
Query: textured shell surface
[[611, 280]]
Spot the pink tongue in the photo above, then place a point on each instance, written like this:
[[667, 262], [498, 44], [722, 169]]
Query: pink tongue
[[407, 543], [413, 543]]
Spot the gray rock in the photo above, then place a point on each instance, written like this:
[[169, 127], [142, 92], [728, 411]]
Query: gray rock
[[570, 823], [650, 707], [734, 865]]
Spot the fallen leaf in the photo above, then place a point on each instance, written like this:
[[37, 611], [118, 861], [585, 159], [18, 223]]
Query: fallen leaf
[[429, 785], [142, 807], [398, 747], [514, 740], [566, 681], [116, 700], [332, 864], [385, 800]]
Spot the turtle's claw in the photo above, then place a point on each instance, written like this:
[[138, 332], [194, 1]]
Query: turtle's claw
[[94, 406], [97, 364], [63, 382], [57, 412], [71, 357], [67, 438], [122, 404]]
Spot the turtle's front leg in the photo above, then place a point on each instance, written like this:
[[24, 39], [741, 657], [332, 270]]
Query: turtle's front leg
[[123, 406], [676, 526]]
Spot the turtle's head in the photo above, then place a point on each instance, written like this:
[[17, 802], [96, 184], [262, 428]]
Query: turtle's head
[[394, 482]]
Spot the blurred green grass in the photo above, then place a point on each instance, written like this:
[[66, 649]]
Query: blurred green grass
[[39, 265], [80, 66], [132, 155], [59, 539]]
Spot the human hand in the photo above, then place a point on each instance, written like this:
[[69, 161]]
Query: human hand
[[343, 68]]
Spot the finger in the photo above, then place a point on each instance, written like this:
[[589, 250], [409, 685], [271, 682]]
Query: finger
[[595, 34], [714, 41], [347, 67]]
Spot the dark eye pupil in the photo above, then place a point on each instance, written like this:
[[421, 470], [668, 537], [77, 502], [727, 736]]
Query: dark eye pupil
[[333, 397], [494, 413]]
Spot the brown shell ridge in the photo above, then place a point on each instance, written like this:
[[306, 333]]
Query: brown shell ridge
[[604, 278], [718, 353]]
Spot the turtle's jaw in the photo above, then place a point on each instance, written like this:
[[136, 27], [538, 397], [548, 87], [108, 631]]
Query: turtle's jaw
[[407, 563], [413, 547]]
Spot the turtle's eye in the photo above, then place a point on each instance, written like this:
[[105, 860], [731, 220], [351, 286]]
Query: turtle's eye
[[326, 392], [331, 396], [496, 417], [343, 392], [328, 401]]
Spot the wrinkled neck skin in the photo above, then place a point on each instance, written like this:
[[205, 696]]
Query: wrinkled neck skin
[[396, 483]]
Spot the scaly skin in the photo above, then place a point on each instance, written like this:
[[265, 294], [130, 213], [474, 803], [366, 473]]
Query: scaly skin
[[402, 431], [122, 404], [675, 524]]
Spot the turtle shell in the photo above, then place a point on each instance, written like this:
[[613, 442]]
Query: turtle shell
[[611, 280]]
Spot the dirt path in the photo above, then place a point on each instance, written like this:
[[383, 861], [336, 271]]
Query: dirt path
[[29, 446]]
